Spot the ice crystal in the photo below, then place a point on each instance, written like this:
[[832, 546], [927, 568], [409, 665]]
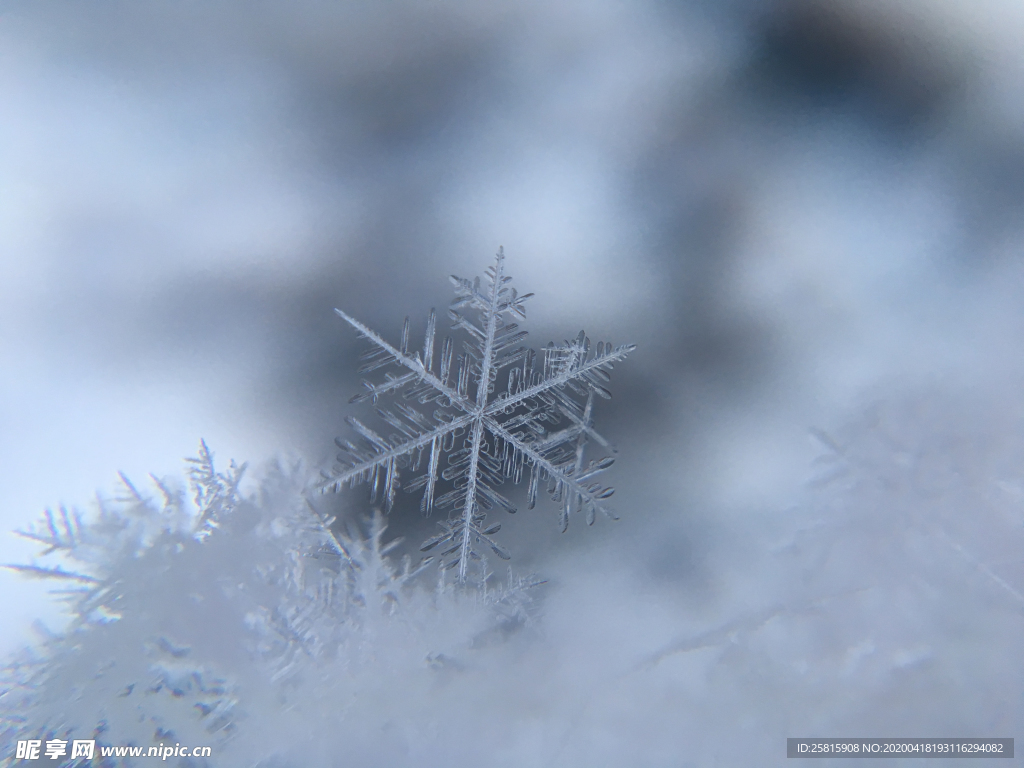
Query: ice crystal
[[451, 407], [136, 578]]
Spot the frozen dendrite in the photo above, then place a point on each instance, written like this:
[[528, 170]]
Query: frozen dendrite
[[132, 576], [487, 408]]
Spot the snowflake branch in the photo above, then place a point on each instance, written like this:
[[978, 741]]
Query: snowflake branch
[[560, 379], [390, 453], [414, 364], [591, 494]]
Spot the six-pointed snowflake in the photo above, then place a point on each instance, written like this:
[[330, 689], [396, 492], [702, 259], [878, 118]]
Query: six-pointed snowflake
[[489, 410]]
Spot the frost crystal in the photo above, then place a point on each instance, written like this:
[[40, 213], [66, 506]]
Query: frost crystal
[[540, 418]]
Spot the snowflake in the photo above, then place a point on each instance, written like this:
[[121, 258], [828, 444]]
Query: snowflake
[[541, 418]]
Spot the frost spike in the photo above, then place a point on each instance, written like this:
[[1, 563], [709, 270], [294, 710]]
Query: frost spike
[[450, 549], [54, 537], [500, 551], [463, 381], [366, 432], [534, 484], [428, 342], [405, 337], [52, 573], [67, 525], [427, 504], [446, 359]]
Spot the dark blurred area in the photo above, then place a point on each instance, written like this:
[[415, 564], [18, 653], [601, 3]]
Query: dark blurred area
[[781, 204]]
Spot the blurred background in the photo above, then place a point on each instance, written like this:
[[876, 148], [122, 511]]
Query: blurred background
[[793, 208]]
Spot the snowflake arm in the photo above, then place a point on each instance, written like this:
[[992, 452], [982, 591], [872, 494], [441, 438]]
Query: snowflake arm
[[420, 367], [377, 456], [568, 482]]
